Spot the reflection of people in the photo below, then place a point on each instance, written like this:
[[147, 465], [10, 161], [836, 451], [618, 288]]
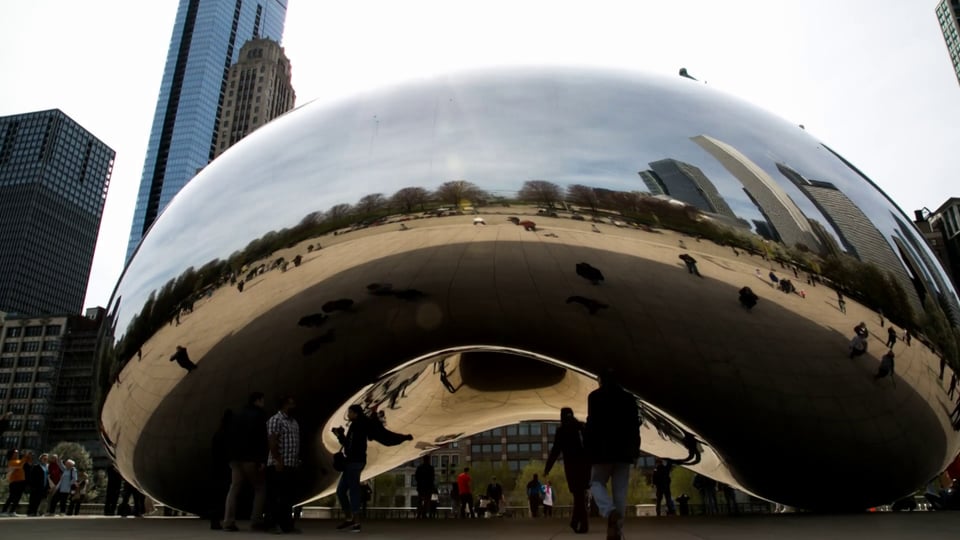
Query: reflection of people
[[534, 492], [218, 475], [691, 264], [891, 337], [495, 495], [443, 378], [547, 499], [748, 298], [568, 442], [17, 482], [858, 345], [613, 444], [246, 453], [886, 366], [465, 488], [183, 359]]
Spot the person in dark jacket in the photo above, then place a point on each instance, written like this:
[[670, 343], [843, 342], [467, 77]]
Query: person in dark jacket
[[568, 442], [661, 481], [612, 437], [218, 481], [37, 484], [247, 449], [425, 485], [354, 442]]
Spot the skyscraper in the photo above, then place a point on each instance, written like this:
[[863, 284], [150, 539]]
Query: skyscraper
[[948, 15], [259, 91], [777, 207], [654, 184], [206, 40], [687, 183], [53, 183]]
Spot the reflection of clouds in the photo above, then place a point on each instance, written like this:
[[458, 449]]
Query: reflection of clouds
[[567, 127]]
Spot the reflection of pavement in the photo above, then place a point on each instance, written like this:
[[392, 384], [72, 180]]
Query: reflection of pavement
[[934, 526], [689, 334]]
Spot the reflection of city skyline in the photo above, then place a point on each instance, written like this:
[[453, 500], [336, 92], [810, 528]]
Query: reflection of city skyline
[[781, 212], [685, 182], [858, 235]]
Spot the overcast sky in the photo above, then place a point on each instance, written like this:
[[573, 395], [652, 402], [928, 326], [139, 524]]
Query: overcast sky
[[870, 78]]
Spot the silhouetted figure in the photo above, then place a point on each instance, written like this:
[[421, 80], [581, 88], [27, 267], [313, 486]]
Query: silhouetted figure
[[907, 337], [183, 359], [240, 285], [594, 228], [592, 305], [444, 380], [748, 298], [514, 220], [313, 345], [661, 481], [312, 321], [886, 366], [568, 442], [426, 484], [343, 304], [297, 260], [730, 497], [880, 313], [139, 501], [534, 494], [465, 489], [246, 452], [589, 273], [953, 385], [691, 264], [862, 329], [495, 496], [681, 244], [773, 278], [708, 493], [858, 345], [218, 474], [612, 440], [683, 504], [114, 485], [410, 295], [380, 289], [891, 337], [528, 225]]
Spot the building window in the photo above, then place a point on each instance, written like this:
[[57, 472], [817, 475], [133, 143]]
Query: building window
[[51, 345], [11, 346], [524, 429], [20, 392], [14, 331], [31, 346], [22, 377], [33, 331], [26, 361], [53, 329], [535, 429]]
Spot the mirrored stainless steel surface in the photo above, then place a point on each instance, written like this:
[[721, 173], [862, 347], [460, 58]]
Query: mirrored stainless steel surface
[[468, 252]]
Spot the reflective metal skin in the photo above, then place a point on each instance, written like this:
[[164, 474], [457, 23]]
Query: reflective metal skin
[[454, 324]]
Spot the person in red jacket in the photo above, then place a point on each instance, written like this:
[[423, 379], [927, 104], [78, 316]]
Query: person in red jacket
[[465, 489]]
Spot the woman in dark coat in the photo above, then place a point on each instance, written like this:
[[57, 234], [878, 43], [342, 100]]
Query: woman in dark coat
[[569, 442]]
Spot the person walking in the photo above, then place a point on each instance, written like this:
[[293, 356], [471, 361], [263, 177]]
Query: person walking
[[78, 495], [16, 482], [568, 443], [354, 442], [547, 500], [247, 451], [426, 480], [886, 366], [661, 482], [953, 385], [283, 458], [465, 489], [691, 264], [54, 472], [891, 337], [612, 438], [534, 494]]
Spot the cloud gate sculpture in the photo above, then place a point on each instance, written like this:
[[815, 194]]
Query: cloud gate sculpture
[[469, 252]]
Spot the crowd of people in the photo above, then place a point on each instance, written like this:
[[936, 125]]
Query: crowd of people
[[52, 486]]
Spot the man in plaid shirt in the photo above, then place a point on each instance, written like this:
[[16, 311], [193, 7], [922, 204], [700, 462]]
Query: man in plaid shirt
[[282, 462]]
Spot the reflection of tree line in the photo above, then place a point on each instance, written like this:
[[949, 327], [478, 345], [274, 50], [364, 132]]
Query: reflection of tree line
[[863, 281]]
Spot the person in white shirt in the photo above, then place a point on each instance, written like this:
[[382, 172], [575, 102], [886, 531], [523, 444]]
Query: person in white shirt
[[547, 499], [68, 482]]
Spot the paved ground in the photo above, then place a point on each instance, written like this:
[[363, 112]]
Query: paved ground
[[923, 525]]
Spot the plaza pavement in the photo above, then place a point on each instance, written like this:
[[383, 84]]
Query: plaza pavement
[[920, 525]]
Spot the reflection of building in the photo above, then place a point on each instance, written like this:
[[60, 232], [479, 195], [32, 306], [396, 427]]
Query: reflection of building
[[53, 183], [654, 183], [934, 228], [687, 183], [206, 40], [777, 207], [259, 90], [858, 235], [948, 15], [926, 268], [46, 380]]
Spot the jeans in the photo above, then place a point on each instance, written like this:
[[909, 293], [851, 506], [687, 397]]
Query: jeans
[[240, 472], [13, 498], [619, 476], [348, 489]]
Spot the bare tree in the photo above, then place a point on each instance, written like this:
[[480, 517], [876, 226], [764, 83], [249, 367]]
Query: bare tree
[[540, 192], [457, 191], [339, 212], [583, 196], [371, 203], [409, 197]]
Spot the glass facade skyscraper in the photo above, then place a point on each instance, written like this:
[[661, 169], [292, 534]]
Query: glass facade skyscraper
[[53, 183], [206, 41]]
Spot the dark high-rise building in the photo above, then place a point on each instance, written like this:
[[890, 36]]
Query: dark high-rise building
[[54, 176], [687, 183], [948, 15], [259, 91], [653, 182], [206, 41]]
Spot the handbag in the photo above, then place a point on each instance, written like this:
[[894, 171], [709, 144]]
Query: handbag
[[339, 461]]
